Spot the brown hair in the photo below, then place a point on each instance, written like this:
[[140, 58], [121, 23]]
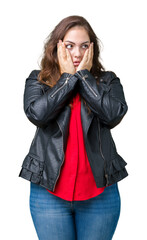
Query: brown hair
[[50, 72]]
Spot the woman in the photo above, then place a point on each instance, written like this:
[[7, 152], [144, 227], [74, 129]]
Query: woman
[[73, 164]]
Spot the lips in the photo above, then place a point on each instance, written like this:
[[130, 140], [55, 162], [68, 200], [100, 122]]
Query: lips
[[76, 63]]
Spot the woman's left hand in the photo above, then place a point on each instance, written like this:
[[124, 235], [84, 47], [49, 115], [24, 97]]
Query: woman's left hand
[[87, 60]]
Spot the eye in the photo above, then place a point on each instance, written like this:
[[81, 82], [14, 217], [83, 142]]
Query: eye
[[85, 46], [69, 46]]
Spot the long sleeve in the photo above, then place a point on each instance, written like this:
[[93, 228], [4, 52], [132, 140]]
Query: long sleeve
[[42, 107], [105, 99]]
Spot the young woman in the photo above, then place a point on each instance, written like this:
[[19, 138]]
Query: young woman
[[73, 164]]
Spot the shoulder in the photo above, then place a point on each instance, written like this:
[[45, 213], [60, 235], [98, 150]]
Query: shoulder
[[32, 79], [34, 74], [107, 76]]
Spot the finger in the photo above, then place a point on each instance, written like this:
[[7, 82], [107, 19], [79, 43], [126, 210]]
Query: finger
[[69, 59], [85, 58], [63, 51], [68, 55], [59, 45], [60, 54], [90, 57], [59, 51], [90, 51]]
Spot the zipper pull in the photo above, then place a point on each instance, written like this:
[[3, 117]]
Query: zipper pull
[[66, 80], [84, 77]]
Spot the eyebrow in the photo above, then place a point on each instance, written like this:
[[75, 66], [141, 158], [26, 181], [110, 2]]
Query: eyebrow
[[74, 43]]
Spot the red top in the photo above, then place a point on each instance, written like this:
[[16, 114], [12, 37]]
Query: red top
[[76, 181]]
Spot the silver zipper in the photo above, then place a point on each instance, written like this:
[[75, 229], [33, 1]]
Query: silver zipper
[[100, 144], [84, 78], [60, 87], [62, 160]]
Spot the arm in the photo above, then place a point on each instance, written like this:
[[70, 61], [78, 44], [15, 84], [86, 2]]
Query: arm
[[107, 101], [41, 108]]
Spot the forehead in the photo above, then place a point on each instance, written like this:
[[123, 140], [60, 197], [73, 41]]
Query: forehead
[[77, 35]]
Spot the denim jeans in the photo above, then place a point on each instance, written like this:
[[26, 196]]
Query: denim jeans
[[58, 219]]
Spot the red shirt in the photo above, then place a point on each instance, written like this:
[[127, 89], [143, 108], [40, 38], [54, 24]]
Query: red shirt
[[76, 181]]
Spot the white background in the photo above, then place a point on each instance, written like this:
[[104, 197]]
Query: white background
[[121, 26]]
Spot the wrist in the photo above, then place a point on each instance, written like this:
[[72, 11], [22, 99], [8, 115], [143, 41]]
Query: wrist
[[83, 71]]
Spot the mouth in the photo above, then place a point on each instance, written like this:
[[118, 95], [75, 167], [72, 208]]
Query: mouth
[[76, 63]]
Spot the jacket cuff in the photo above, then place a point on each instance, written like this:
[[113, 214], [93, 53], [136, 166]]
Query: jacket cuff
[[89, 85], [65, 75]]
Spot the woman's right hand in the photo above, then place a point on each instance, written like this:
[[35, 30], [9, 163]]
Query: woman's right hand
[[64, 59]]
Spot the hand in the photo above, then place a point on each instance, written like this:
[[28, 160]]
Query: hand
[[87, 60], [64, 59]]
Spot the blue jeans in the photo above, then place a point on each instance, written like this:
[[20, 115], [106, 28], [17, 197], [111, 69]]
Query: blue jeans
[[57, 219]]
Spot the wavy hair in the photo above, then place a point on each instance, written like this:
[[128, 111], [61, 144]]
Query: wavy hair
[[50, 72]]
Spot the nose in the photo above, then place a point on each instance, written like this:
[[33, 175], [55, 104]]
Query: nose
[[77, 52]]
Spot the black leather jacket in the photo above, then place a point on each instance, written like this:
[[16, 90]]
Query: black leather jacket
[[48, 109]]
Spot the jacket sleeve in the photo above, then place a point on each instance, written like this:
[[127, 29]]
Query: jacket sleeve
[[105, 99], [42, 107]]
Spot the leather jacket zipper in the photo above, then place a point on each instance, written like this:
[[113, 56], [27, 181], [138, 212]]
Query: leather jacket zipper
[[61, 162], [100, 144], [53, 94], [84, 78]]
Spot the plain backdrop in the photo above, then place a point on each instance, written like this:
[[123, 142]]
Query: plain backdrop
[[121, 26]]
